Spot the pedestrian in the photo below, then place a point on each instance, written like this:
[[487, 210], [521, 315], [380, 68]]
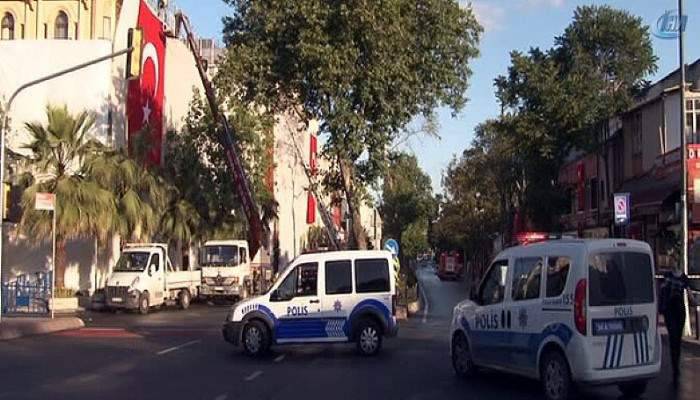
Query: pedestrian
[[672, 306]]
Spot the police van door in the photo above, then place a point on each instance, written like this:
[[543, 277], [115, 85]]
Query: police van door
[[338, 299], [488, 326], [297, 306], [523, 315]]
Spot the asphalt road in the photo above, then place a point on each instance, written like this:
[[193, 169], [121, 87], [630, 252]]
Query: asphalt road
[[174, 354]]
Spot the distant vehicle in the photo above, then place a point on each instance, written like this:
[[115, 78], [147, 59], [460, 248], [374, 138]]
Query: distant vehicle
[[450, 265], [566, 312], [144, 277], [325, 297], [226, 269]]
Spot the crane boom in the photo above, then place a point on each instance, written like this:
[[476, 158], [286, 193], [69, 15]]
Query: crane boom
[[225, 136], [234, 161]]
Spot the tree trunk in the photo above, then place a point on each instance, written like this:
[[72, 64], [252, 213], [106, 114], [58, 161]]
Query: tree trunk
[[60, 262], [356, 235]]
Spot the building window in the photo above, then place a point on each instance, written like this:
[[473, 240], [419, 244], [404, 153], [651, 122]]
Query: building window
[[7, 28], [692, 117], [21, 27], [46, 31], [637, 134], [594, 194], [61, 26], [106, 28]]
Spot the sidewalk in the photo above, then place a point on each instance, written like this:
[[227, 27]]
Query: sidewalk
[[16, 327]]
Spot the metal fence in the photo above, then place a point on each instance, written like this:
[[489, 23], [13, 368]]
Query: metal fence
[[27, 294]]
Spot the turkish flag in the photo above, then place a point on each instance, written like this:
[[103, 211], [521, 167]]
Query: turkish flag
[[144, 106]]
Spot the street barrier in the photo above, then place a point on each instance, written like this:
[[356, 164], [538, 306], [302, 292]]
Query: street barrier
[[27, 294]]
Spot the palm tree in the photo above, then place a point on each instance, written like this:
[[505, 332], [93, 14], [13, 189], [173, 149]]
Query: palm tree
[[58, 151], [139, 193]]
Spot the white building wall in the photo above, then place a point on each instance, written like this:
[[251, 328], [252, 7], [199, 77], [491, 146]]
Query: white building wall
[[87, 89], [181, 79]]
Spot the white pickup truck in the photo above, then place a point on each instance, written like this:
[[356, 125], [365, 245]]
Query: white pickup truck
[[144, 277], [226, 269]]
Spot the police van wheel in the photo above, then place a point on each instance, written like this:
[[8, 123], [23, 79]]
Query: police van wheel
[[369, 338], [184, 299], [144, 304], [461, 357], [632, 390], [555, 376], [256, 340]]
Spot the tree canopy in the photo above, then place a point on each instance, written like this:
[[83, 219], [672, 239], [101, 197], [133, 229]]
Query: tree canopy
[[363, 69]]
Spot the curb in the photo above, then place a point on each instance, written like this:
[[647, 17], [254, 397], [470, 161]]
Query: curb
[[691, 345], [14, 329]]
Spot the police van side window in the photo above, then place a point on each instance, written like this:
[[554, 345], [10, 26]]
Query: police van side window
[[338, 277], [557, 273], [527, 275], [308, 280], [372, 275], [493, 288]]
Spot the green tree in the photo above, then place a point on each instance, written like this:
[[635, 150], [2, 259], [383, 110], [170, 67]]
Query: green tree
[[58, 151], [556, 100], [362, 69]]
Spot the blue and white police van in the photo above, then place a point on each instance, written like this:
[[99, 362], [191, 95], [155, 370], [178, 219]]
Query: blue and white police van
[[327, 297], [565, 312]]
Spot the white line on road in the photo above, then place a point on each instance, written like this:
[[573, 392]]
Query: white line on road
[[221, 397], [426, 306], [253, 376], [279, 358], [171, 349]]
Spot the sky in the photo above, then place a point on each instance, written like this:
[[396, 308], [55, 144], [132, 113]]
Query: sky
[[509, 25]]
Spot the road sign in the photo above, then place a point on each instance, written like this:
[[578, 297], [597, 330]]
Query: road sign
[[392, 246], [622, 208], [45, 201]]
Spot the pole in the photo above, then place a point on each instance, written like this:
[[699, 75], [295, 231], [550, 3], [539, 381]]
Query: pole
[[53, 257], [684, 165], [6, 122], [6, 126]]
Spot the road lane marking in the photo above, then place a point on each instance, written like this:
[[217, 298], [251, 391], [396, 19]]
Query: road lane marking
[[279, 358], [426, 306], [253, 376], [171, 349], [221, 397]]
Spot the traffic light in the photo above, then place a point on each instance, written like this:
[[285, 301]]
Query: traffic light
[[133, 59]]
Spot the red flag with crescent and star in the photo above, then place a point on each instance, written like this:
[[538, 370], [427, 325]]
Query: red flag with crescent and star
[[145, 95]]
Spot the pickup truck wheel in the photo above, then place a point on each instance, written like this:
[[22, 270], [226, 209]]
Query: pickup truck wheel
[[184, 299], [144, 303], [256, 340]]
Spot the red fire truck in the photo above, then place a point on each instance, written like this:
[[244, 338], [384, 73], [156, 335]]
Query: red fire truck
[[450, 265]]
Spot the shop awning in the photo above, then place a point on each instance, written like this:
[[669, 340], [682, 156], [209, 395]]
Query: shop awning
[[648, 192]]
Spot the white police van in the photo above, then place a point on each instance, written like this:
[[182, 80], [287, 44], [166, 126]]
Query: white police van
[[339, 296], [566, 312]]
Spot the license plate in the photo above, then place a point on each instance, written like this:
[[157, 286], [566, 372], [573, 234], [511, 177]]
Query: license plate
[[219, 289], [117, 299], [606, 327], [450, 269]]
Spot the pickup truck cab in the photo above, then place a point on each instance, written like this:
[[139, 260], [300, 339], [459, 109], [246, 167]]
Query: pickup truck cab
[[144, 277], [226, 269], [328, 297]]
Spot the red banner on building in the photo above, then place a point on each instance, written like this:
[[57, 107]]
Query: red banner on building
[[145, 96]]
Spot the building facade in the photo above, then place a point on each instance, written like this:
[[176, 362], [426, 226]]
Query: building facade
[[59, 19], [640, 154]]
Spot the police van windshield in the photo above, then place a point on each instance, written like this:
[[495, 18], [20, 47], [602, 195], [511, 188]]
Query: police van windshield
[[617, 278], [132, 261], [220, 256]]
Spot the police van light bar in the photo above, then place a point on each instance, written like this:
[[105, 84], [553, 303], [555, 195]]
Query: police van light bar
[[525, 238]]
